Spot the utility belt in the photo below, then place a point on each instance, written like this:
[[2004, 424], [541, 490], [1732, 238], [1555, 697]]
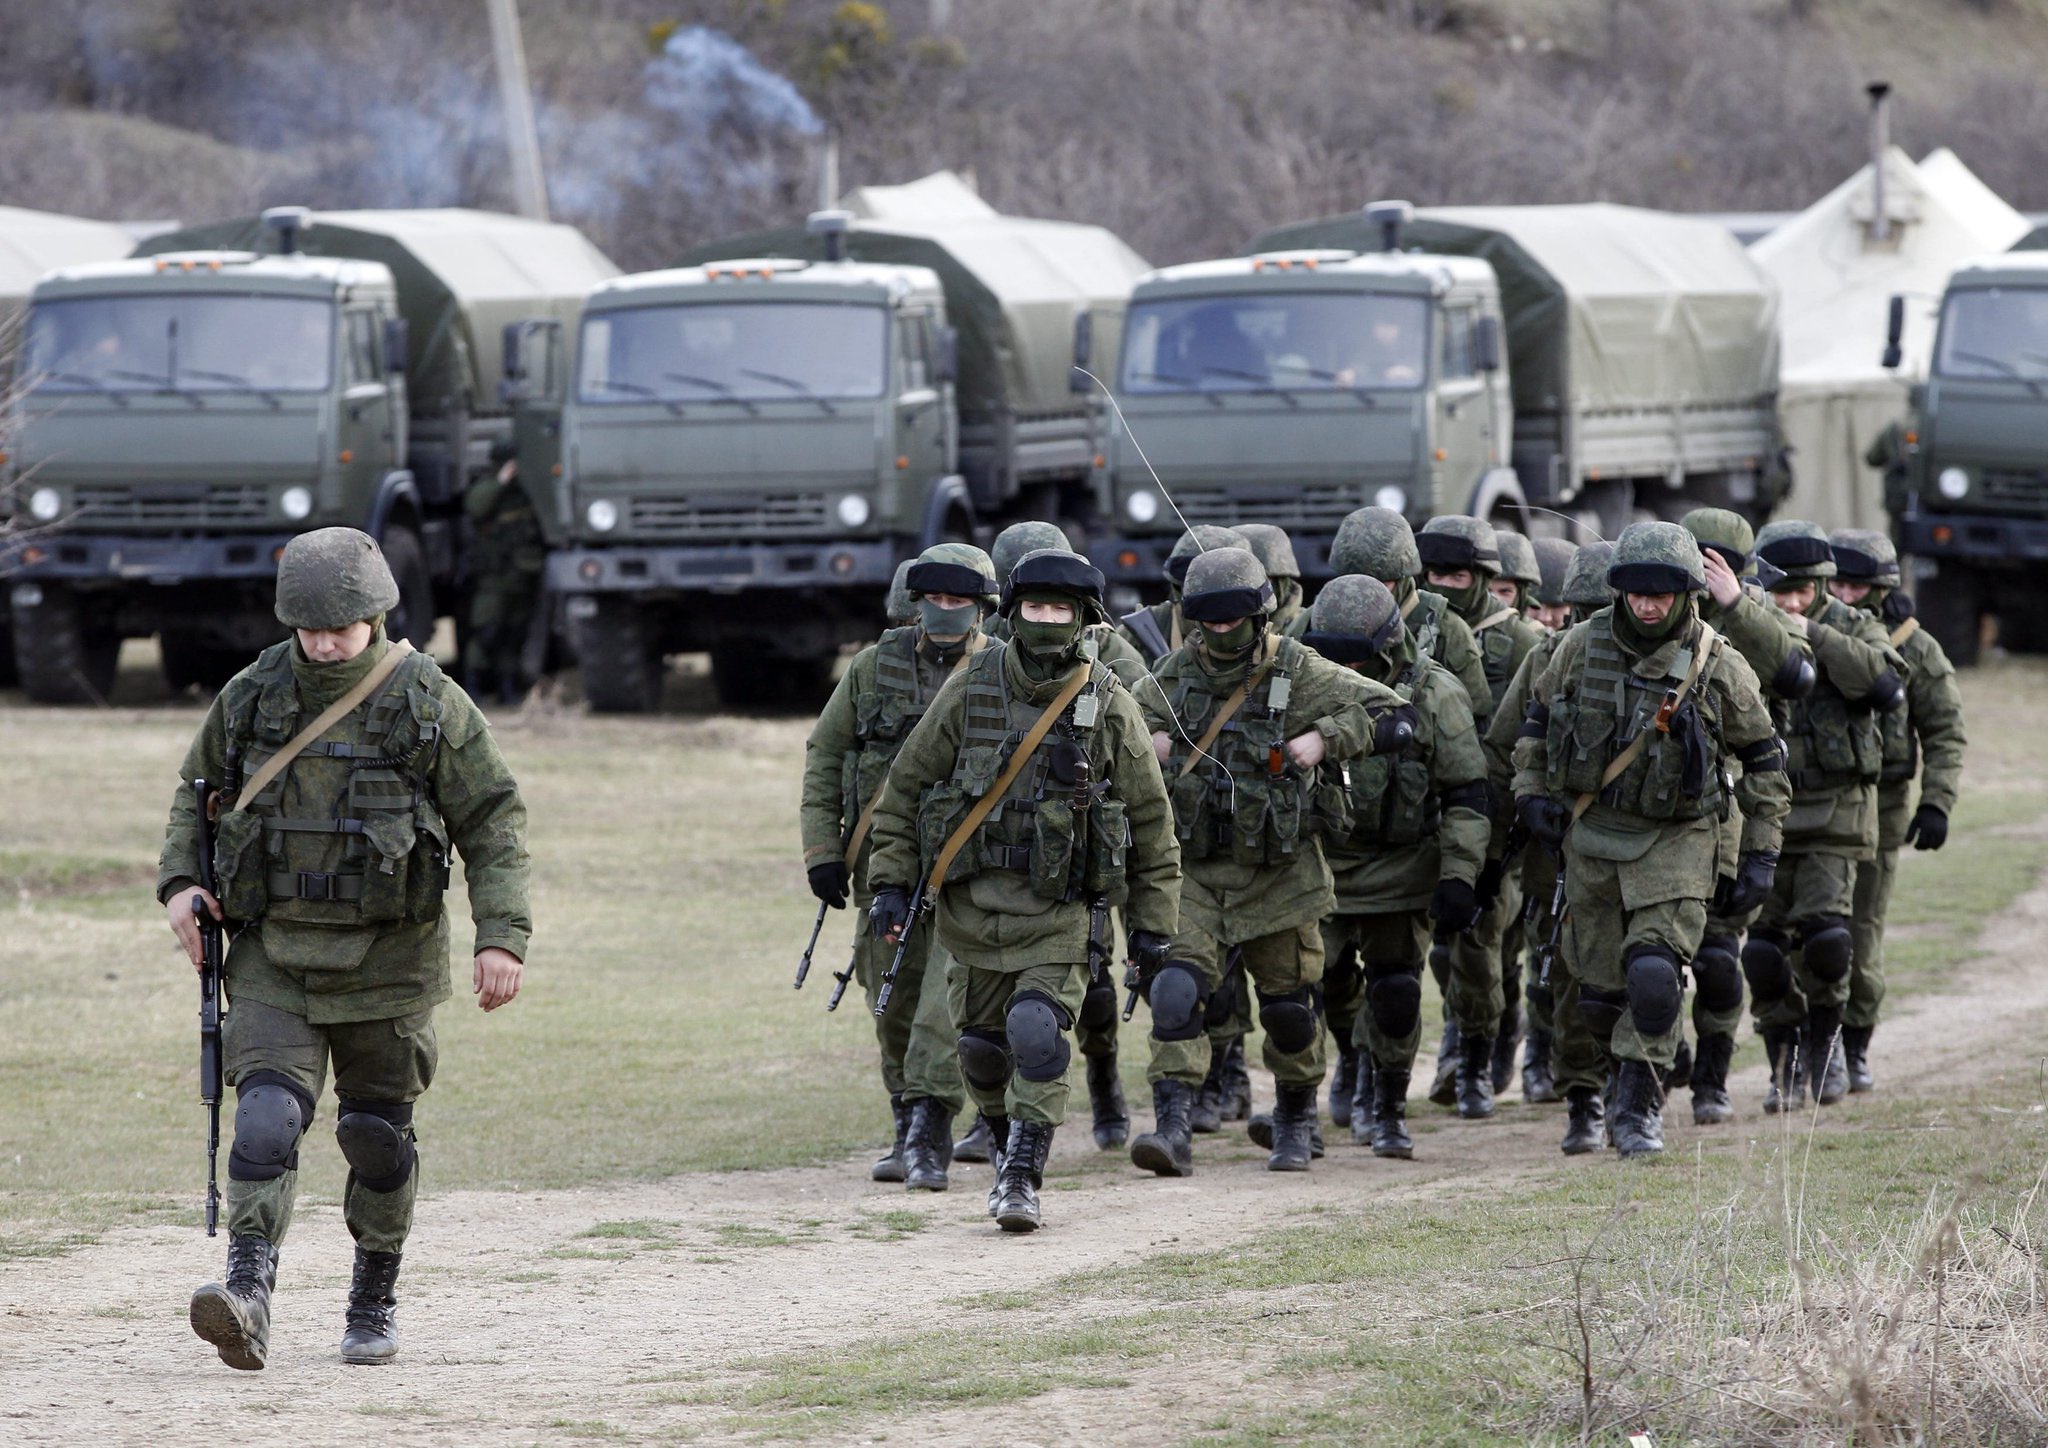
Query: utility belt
[[1813, 780], [315, 885]]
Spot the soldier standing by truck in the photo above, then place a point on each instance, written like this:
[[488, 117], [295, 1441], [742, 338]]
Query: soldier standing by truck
[[1925, 738], [505, 579]]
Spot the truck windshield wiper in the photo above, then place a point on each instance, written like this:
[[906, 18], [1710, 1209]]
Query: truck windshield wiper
[[606, 384], [1356, 389], [793, 385], [1266, 383], [712, 384], [1187, 382], [239, 384], [163, 385], [2033, 384], [96, 384]]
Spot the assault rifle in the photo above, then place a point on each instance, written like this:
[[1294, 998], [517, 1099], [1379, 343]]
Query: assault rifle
[[803, 967], [1547, 956], [209, 1005], [888, 987]]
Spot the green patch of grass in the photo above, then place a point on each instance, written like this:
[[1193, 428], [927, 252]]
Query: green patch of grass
[[585, 1428], [591, 1254], [889, 1226], [742, 1234], [635, 1230], [525, 1277], [25, 873]]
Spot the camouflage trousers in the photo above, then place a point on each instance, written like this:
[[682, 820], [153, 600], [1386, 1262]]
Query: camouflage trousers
[[916, 1035], [1866, 933], [1470, 974], [1359, 950], [981, 998], [387, 1061], [1276, 964], [500, 614], [1810, 886]]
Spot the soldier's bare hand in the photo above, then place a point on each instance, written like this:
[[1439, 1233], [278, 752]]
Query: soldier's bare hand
[[184, 925], [1722, 584], [1162, 745], [1306, 750], [496, 978]]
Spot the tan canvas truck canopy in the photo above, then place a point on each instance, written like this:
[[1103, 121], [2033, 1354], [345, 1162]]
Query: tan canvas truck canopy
[[35, 242]]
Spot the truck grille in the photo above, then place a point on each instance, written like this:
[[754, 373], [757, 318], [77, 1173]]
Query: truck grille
[[1313, 506], [738, 516], [200, 505], [2011, 487]]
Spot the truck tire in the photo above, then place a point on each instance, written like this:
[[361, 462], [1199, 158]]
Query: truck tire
[[8, 673], [188, 660], [1950, 606], [622, 663], [64, 653], [414, 618]]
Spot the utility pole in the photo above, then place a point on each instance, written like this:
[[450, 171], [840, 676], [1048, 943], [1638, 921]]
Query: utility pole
[[522, 137]]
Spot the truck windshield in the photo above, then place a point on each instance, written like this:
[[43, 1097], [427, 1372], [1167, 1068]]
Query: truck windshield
[[1995, 332], [1276, 341], [186, 344], [749, 351]]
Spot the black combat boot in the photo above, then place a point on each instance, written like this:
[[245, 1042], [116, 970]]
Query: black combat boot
[[1106, 1098], [1205, 1106], [1475, 1077], [1827, 1076], [1538, 1087], [1022, 1175], [1390, 1115], [1362, 1106], [1856, 1057], [977, 1144], [1586, 1121], [998, 1134], [888, 1166], [1710, 1103], [1680, 1074], [1167, 1149], [1781, 1044], [1294, 1112], [1504, 1043], [372, 1332], [1237, 1083], [1443, 1087], [234, 1315], [1638, 1125], [1343, 1085], [928, 1149], [1260, 1127]]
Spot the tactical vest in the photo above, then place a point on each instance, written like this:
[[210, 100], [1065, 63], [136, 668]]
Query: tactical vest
[[1392, 797], [1058, 825], [1901, 744], [1831, 742], [1496, 652], [883, 716], [1677, 774], [365, 842]]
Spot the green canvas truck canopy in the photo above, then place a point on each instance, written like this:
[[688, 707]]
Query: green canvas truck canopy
[[1607, 307], [1013, 284], [461, 275]]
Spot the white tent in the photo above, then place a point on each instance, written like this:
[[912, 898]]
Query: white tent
[[1836, 283], [34, 242]]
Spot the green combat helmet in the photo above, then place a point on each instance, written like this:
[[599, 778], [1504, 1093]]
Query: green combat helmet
[[901, 607], [1553, 561], [1224, 584], [1020, 538], [1797, 549], [1056, 573], [1585, 582], [1354, 620], [1457, 540], [959, 568], [1202, 538], [1864, 556], [1518, 558], [1272, 547], [1378, 543], [1657, 558], [331, 578], [1726, 533]]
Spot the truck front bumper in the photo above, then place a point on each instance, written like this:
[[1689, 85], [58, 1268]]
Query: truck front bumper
[[730, 568], [117, 558], [1974, 537]]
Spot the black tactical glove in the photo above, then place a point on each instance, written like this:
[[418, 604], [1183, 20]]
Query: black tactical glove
[[830, 882], [1455, 906], [890, 912], [1491, 874], [1546, 818], [1148, 952], [1751, 885], [1394, 730], [1929, 830]]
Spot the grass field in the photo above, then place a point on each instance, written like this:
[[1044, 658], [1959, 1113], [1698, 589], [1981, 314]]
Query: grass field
[[1511, 1299]]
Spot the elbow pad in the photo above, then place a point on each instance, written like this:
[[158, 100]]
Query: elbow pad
[[1887, 692], [1795, 677], [1763, 756], [1535, 720], [1475, 796]]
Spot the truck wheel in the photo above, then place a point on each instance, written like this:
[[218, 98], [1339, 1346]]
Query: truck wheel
[[1950, 606], [8, 673], [748, 677], [65, 654], [189, 660], [414, 617], [622, 665]]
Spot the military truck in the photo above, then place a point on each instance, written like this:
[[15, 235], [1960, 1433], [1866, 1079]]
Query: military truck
[[1966, 472], [1598, 361], [755, 437], [183, 413]]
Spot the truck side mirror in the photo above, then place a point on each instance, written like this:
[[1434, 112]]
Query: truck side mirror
[[1486, 344], [1084, 351], [394, 344], [1894, 334], [947, 360], [514, 333]]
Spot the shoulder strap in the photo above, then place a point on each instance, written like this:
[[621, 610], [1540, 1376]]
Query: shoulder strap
[[1709, 644], [1905, 631], [866, 821], [984, 806], [1493, 620], [1230, 707], [1413, 601], [332, 715]]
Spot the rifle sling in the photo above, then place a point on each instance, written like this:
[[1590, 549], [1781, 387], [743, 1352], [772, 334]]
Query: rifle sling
[[866, 821], [1709, 641], [1229, 710], [1905, 631], [332, 715]]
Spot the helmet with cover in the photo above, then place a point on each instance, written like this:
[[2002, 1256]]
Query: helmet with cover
[[1653, 558], [1798, 549], [1553, 561], [331, 578], [1353, 620], [1021, 538], [1378, 543]]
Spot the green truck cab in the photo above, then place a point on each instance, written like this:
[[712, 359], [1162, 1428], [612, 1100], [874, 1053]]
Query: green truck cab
[[183, 413], [1966, 472]]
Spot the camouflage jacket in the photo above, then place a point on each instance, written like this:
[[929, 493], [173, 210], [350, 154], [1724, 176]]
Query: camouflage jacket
[[1833, 738], [1429, 618], [1112, 647], [1926, 739]]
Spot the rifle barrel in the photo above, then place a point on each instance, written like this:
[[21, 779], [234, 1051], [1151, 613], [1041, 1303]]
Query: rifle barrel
[[803, 967]]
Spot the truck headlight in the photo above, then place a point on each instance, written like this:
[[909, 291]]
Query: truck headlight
[[1953, 483], [45, 504], [1391, 497], [603, 515], [295, 503], [853, 510], [1141, 506]]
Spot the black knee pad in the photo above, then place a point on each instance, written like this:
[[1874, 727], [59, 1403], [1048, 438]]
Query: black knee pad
[[1655, 993], [1828, 948], [1098, 1006], [1766, 967], [1291, 1020], [376, 1141], [1177, 1001], [1601, 1010], [1221, 1009], [984, 1058], [272, 1112], [1717, 975], [1037, 1026], [1395, 1002]]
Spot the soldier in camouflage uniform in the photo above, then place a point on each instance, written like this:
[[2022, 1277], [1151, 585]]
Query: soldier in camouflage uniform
[[1520, 575], [1083, 825], [1460, 559], [1275, 552], [1636, 725], [884, 692], [1416, 842], [1799, 956], [1925, 738], [506, 565], [1548, 608], [331, 872], [1158, 629], [1245, 722]]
